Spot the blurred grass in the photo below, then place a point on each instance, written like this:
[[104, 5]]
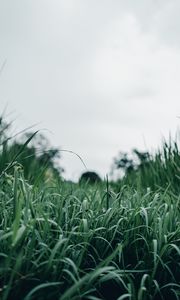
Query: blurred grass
[[159, 171], [37, 160]]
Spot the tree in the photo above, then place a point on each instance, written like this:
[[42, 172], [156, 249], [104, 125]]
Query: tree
[[130, 163], [90, 177], [124, 162]]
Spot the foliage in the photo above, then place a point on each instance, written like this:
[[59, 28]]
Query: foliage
[[70, 242], [37, 160], [63, 241], [131, 163], [160, 171], [90, 177]]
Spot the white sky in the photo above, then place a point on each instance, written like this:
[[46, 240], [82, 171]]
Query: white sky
[[102, 76]]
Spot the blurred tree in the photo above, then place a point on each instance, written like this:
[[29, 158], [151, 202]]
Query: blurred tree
[[90, 177], [129, 163], [143, 157], [123, 162]]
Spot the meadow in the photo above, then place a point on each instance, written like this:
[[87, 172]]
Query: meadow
[[109, 240]]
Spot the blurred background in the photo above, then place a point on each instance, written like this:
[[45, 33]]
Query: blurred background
[[97, 76]]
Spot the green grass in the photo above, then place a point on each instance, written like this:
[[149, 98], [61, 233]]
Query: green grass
[[160, 171], [60, 240], [64, 242]]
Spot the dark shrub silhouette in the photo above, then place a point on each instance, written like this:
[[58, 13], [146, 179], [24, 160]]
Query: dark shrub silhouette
[[90, 177]]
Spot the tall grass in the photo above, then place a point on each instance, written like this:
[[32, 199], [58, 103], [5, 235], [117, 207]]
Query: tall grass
[[65, 243], [79, 241], [159, 171], [38, 164]]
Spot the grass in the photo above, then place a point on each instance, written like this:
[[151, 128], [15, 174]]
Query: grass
[[159, 172], [60, 240]]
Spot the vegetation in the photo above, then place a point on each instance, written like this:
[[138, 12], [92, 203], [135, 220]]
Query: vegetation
[[32, 151], [159, 172], [90, 177], [61, 240]]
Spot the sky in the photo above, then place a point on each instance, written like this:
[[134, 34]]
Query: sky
[[98, 76]]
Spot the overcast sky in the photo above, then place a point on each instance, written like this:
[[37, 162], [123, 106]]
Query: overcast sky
[[102, 76]]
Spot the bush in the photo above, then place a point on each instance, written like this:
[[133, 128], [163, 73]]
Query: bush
[[90, 177]]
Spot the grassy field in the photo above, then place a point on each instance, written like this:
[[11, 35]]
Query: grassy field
[[61, 240]]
